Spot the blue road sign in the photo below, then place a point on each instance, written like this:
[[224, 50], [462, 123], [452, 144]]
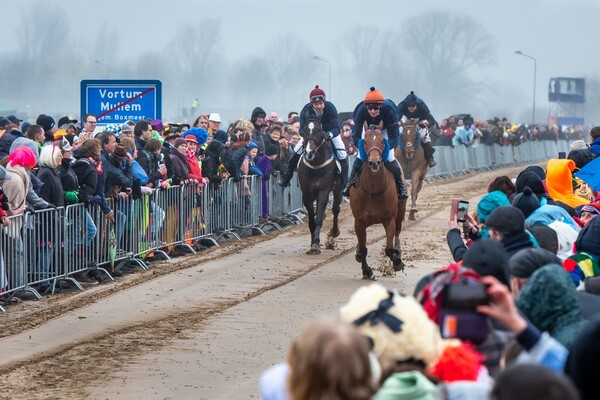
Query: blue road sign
[[116, 101]]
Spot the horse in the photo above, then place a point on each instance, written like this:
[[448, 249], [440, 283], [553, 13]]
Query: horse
[[413, 162], [374, 200], [318, 176]]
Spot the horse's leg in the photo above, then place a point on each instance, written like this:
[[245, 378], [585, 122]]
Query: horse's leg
[[361, 249], [390, 251], [414, 192], [310, 209], [322, 199], [337, 200]]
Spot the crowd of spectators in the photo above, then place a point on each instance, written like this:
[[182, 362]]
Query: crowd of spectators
[[515, 315], [463, 129]]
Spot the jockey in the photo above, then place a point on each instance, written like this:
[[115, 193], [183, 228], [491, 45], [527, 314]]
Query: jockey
[[330, 121], [373, 110], [413, 107]]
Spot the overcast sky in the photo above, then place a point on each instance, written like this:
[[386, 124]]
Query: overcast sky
[[560, 34]]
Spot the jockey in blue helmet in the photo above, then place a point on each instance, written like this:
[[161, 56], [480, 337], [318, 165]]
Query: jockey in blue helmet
[[413, 107], [330, 122], [373, 110]]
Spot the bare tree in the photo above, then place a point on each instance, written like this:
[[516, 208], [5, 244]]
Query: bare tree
[[445, 48]]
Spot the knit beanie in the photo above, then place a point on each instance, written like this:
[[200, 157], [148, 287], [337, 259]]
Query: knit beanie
[[373, 96], [178, 142], [531, 179], [410, 385], [411, 99], [317, 94], [525, 262], [526, 201], [487, 257], [506, 219], [489, 202], [536, 169]]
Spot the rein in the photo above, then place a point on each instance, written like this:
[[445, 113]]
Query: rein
[[324, 164]]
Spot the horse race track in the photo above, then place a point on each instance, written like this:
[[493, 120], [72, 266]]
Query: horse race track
[[205, 326]]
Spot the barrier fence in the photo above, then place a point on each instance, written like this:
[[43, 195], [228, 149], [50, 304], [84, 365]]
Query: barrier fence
[[44, 248]]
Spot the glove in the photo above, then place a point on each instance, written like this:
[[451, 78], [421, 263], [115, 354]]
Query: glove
[[96, 199], [71, 196], [424, 124]]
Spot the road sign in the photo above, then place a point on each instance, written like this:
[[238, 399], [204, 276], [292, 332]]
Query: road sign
[[116, 101]]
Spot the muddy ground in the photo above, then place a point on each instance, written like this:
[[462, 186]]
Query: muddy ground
[[205, 326]]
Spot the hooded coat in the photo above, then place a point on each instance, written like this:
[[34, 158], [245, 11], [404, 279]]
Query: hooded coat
[[214, 154], [549, 302], [559, 182]]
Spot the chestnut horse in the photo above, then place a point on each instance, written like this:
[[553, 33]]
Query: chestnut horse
[[374, 200], [318, 176], [413, 162]]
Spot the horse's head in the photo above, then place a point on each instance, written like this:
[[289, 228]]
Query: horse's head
[[409, 137], [374, 145], [314, 138]]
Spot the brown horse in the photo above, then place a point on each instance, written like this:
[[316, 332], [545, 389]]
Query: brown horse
[[374, 200], [317, 174], [413, 162]]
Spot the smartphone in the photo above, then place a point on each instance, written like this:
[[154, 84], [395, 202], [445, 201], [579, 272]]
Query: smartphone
[[462, 210], [562, 155]]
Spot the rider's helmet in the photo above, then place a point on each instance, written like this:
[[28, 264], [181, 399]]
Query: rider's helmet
[[317, 94], [411, 99], [373, 96]]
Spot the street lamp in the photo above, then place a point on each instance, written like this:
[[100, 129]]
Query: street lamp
[[519, 52], [106, 66], [329, 67]]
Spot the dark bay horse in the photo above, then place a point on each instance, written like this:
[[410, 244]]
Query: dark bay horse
[[318, 176], [374, 200], [413, 162]]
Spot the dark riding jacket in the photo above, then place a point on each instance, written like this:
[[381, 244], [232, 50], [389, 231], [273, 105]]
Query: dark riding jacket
[[421, 113], [330, 120], [388, 114]]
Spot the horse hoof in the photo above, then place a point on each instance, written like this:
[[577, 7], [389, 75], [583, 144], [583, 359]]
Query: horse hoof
[[367, 273], [412, 215], [359, 258], [335, 233], [314, 249], [398, 265]]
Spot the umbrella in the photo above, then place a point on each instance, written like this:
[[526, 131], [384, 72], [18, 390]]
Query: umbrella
[[590, 174]]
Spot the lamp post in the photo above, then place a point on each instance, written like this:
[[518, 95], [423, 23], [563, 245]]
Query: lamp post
[[519, 52], [104, 65], [329, 68]]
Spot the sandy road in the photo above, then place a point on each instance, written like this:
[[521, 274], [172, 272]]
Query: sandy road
[[206, 326]]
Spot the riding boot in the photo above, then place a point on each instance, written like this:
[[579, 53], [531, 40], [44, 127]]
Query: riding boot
[[353, 176], [429, 150], [394, 168], [344, 172], [289, 171]]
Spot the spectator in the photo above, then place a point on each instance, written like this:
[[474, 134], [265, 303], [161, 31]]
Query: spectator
[[505, 185], [181, 171], [582, 364], [258, 120], [507, 224], [264, 164], [559, 182], [6, 138], [213, 159], [532, 382], [89, 126]]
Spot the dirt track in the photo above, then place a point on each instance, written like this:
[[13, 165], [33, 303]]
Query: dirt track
[[206, 326]]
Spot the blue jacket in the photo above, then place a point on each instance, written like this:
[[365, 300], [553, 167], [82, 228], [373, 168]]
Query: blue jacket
[[422, 112], [330, 120], [388, 114]]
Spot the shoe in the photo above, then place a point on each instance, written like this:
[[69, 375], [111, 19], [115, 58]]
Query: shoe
[[402, 193]]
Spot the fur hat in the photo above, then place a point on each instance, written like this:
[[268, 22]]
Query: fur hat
[[373, 96], [506, 219], [317, 94], [201, 134], [401, 331], [526, 201], [490, 202]]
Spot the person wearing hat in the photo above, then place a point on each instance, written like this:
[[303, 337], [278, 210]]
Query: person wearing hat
[[326, 112], [143, 133], [257, 118], [413, 107], [47, 123], [214, 124], [68, 124], [507, 224], [14, 127], [126, 131], [192, 159], [373, 110]]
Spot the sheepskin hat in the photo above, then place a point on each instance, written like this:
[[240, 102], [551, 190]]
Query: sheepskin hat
[[401, 331]]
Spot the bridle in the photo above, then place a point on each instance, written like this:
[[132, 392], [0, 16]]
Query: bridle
[[308, 156]]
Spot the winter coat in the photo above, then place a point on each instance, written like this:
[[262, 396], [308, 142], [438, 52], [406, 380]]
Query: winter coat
[[16, 189], [180, 169], [214, 154], [388, 114], [52, 190], [330, 119]]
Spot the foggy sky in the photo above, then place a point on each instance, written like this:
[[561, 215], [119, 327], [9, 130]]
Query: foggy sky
[[560, 34]]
